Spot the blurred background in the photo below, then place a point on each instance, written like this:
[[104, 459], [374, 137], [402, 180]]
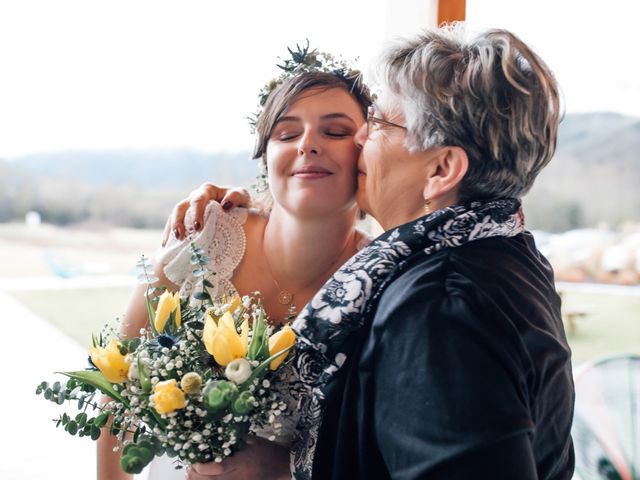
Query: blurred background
[[111, 112]]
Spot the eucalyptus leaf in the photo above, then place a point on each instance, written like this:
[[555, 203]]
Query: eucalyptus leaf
[[72, 427], [81, 418], [202, 296], [199, 272], [101, 420], [95, 432]]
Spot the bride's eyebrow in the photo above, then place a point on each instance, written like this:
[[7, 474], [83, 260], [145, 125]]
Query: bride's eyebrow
[[338, 115], [288, 119]]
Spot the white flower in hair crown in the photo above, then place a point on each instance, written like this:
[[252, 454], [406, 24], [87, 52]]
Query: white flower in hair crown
[[303, 60]]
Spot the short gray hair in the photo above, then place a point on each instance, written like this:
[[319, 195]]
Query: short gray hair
[[492, 96]]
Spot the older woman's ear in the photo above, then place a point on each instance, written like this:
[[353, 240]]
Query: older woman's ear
[[445, 170]]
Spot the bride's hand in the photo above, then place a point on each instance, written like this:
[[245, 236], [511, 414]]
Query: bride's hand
[[260, 458], [198, 200]]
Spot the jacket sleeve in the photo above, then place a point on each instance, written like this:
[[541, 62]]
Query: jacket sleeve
[[449, 386]]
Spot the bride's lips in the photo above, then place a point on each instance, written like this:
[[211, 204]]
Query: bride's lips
[[311, 172]]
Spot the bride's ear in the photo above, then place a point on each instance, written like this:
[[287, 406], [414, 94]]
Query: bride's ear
[[445, 171]]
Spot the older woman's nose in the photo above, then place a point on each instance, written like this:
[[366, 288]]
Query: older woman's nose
[[361, 135], [308, 144]]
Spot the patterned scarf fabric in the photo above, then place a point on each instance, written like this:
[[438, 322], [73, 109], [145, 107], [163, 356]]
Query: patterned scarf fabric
[[348, 300]]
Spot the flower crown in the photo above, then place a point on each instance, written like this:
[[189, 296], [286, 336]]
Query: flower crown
[[303, 60]]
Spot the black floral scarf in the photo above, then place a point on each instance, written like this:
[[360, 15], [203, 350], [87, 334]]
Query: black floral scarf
[[348, 300]]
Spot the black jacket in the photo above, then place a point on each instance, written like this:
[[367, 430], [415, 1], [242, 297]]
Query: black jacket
[[464, 373]]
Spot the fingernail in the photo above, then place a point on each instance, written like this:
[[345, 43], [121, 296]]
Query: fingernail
[[176, 232], [196, 225], [227, 205]]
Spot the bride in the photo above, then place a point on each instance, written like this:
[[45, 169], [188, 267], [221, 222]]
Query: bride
[[288, 251]]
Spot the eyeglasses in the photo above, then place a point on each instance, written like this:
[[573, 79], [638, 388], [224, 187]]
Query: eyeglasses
[[372, 120]]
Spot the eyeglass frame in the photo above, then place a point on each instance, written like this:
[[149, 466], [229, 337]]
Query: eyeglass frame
[[371, 119]]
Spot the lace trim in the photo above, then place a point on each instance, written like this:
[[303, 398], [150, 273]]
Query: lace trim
[[223, 240]]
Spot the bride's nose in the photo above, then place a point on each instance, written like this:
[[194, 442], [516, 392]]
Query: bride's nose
[[308, 144]]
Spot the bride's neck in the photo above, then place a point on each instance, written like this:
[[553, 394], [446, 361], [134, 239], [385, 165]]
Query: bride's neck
[[300, 251]]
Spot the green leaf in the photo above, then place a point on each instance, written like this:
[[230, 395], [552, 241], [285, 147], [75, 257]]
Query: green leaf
[[202, 296], [143, 375], [47, 394], [72, 427], [95, 432], [81, 418], [96, 379], [260, 369], [101, 420], [151, 313], [114, 428], [134, 344], [199, 272], [259, 348]]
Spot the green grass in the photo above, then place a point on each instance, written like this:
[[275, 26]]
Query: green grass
[[78, 313], [611, 326]]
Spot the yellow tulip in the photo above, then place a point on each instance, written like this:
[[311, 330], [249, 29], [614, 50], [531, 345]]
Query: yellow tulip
[[244, 337], [110, 361], [222, 340], [283, 338], [167, 397], [227, 321], [209, 332], [168, 303], [235, 302]]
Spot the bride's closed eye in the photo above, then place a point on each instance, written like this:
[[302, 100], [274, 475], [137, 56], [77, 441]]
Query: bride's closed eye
[[285, 135]]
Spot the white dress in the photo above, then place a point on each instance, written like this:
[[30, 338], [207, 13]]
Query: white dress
[[223, 240]]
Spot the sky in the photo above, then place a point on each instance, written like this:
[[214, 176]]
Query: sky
[[89, 74]]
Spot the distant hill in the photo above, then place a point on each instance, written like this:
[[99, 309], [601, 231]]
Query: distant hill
[[593, 178], [149, 168]]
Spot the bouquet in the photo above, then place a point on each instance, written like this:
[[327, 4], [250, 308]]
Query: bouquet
[[193, 385]]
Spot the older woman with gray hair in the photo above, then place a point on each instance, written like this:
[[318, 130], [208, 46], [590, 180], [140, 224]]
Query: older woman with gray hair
[[438, 351]]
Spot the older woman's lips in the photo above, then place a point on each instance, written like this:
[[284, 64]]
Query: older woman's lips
[[311, 173]]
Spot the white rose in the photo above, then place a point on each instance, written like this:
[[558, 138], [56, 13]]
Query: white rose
[[238, 371]]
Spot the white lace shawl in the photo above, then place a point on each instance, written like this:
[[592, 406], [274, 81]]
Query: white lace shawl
[[223, 240]]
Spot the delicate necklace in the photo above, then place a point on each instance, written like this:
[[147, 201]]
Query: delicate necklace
[[285, 297]]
